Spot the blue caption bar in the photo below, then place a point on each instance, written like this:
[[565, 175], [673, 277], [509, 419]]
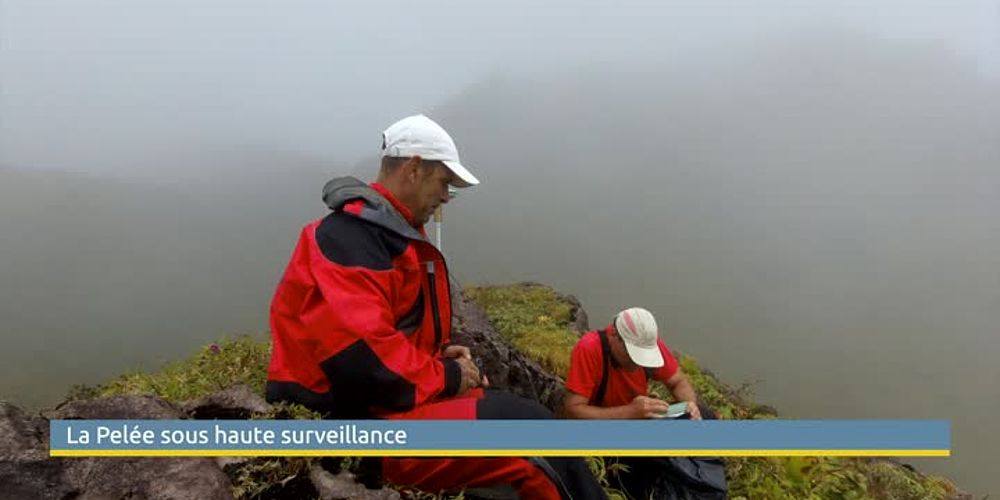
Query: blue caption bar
[[499, 437]]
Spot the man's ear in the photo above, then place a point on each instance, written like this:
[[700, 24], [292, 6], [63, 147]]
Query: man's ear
[[411, 168]]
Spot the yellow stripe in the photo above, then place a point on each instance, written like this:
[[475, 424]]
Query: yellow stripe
[[498, 453]]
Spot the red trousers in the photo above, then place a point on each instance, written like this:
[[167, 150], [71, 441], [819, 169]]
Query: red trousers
[[526, 476]]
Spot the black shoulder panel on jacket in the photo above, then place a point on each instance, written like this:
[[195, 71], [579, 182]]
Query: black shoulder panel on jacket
[[358, 376], [349, 241]]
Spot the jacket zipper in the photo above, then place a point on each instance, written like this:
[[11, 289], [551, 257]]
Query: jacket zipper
[[432, 285], [434, 298]]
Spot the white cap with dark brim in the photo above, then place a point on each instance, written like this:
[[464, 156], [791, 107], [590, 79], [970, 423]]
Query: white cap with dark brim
[[420, 136]]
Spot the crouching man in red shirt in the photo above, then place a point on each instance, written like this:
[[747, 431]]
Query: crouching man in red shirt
[[609, 376]]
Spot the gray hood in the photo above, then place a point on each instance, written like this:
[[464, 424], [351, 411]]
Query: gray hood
[[377, 209]]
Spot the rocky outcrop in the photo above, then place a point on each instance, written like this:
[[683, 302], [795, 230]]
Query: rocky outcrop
[[505, 366], [237, 402], [580, 322], [116, 407], [27, 471], [345, 486]]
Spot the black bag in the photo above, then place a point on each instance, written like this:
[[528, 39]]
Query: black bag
[[664, 478]]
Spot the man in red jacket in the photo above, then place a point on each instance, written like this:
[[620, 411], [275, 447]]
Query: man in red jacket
[[361, 321]]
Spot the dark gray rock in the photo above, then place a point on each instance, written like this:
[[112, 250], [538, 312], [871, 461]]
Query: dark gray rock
[[580, 322], [149, 478], [236, 402], [116, 407], [231, 463], [505, 367], [22, 436], [35, 479], [26, 470], [344, 486]]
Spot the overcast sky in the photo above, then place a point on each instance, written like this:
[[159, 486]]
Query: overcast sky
[[111, 86]]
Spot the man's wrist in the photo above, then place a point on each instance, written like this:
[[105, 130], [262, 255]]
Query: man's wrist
[[452, 377]]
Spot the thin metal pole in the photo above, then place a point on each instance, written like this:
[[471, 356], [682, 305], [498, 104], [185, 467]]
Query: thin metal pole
[[439, 218], [437, 227]]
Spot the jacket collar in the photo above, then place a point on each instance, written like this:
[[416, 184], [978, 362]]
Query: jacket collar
[[377, 205], [391, 198]]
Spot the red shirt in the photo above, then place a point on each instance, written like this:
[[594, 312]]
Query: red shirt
[[586, 365]]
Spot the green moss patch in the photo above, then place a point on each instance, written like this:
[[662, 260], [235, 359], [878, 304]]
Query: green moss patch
[[535, 319], [240, 360]]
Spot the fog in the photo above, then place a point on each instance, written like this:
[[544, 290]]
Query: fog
[[805, 196]]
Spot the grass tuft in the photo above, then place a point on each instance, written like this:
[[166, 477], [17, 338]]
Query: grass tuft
[[240, 360]]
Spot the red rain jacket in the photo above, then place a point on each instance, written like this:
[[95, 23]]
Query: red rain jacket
[[362, 312]]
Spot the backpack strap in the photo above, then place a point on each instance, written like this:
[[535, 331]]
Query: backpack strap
[[598, 398]]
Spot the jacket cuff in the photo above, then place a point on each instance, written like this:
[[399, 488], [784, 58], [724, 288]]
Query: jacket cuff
[[452, 377]]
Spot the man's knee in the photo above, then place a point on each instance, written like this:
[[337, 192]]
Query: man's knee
[[707, 413], [497, 404]]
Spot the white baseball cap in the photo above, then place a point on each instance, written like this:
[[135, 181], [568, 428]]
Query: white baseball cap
[[420, 136], [637, 327]]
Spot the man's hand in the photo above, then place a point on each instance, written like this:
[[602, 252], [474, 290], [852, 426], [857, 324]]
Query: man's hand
[[647, 407], [471, 378], [462, 352], [693, 410], [457, 351]]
